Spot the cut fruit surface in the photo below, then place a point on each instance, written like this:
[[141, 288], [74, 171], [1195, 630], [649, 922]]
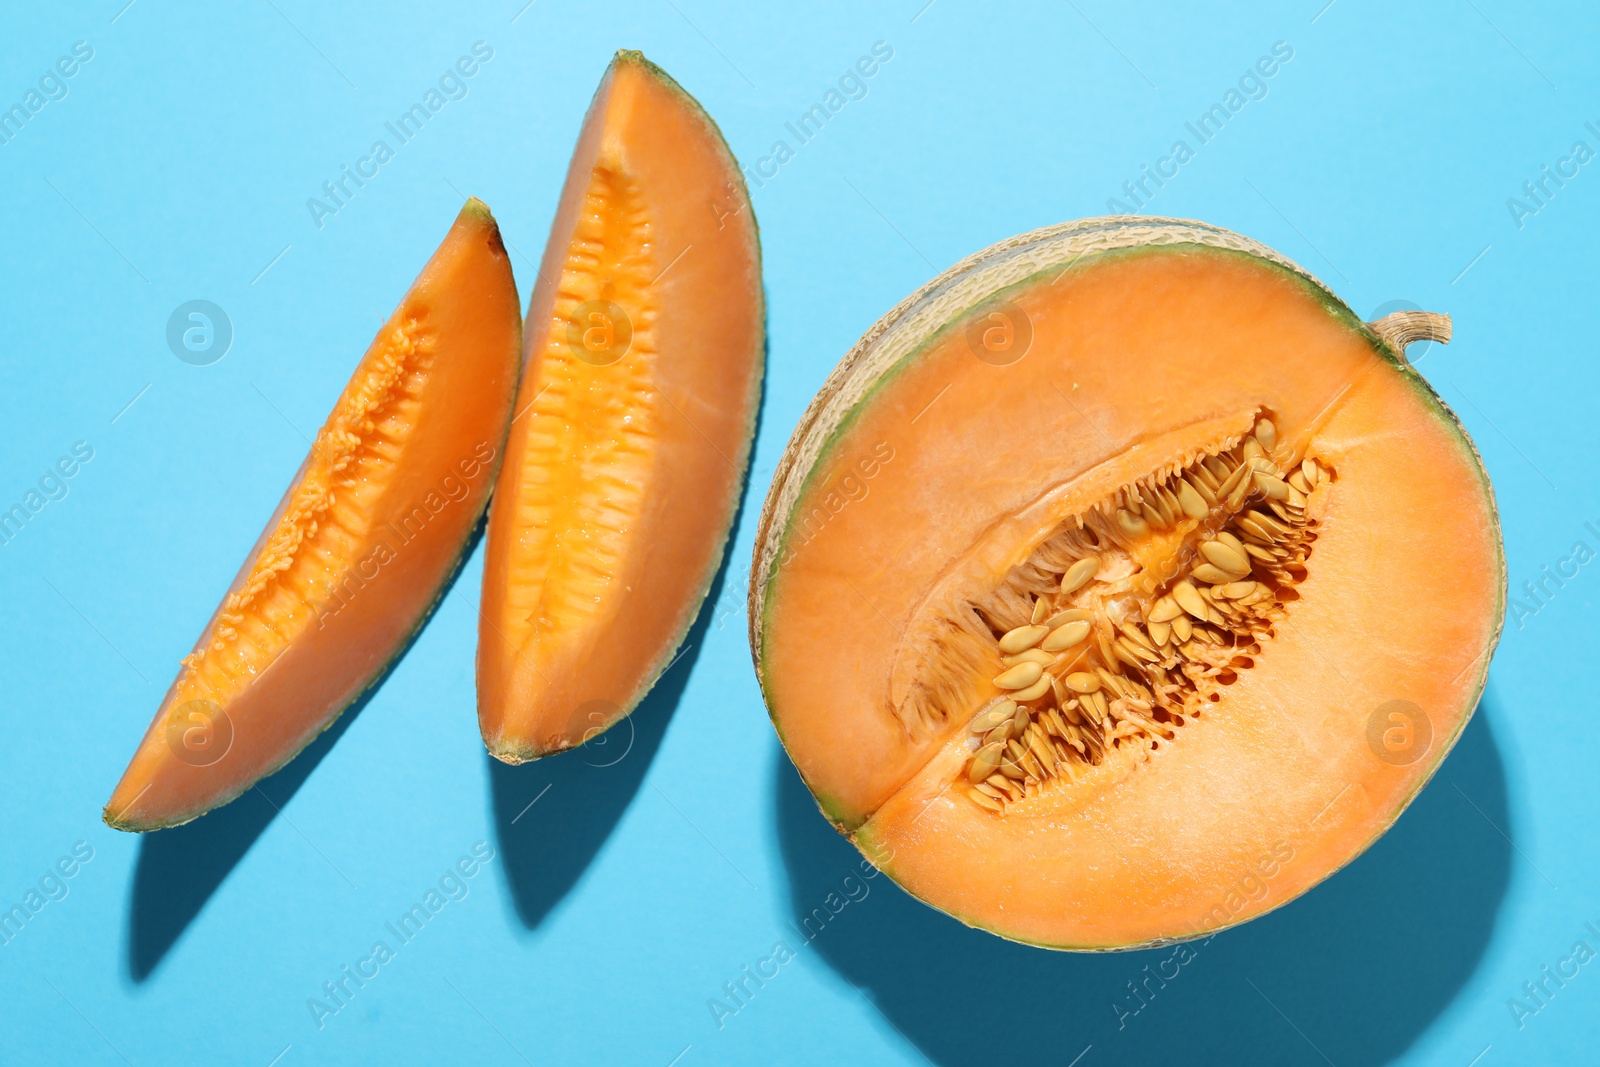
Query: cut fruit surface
[[1119, 565], [360, 547], [633, 426]]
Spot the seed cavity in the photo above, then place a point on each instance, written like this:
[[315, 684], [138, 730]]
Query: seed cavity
[[1130, 619]]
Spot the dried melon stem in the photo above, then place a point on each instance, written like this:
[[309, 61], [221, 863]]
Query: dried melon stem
[[1128, 619]]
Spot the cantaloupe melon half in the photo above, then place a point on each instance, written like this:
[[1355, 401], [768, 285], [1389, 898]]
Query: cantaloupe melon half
[[627, 454], [1121, 585], [360, 548]]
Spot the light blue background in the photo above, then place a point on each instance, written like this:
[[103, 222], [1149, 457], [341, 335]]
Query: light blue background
[[178, 167]]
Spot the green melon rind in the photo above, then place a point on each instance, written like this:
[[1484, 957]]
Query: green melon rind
[[775, 527]]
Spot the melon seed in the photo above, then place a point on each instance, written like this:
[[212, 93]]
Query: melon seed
[[1165, 610], [1126, 649], [1170, 501], [1206, 572], [1034, 691], [1267, 434], [983, 800], [1060, 618], [1273, 486], [984, 763], [1241, 490], [1235, 476], [1023, 637], [1194, 505], [1101, 708], [1189, 600], [1065, 636], [1079, 574], [1225, 556], [1040, 747], [996, 713], [1153, 500], [1082, 682], [1254, 524], [1021, 676]]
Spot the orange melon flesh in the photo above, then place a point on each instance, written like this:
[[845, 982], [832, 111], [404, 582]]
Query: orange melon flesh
[[634, 422], [1140, 355], [360, 547]]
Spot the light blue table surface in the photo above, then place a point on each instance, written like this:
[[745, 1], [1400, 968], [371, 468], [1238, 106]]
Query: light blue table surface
[[1387, 153]]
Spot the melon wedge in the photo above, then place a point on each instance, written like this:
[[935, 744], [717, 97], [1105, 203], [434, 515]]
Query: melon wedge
[[360, 548], [634, 422], [1121, 585]]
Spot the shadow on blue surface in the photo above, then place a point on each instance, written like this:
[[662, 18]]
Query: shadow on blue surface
[[552, 815], [1359, 966], [179, 869]]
